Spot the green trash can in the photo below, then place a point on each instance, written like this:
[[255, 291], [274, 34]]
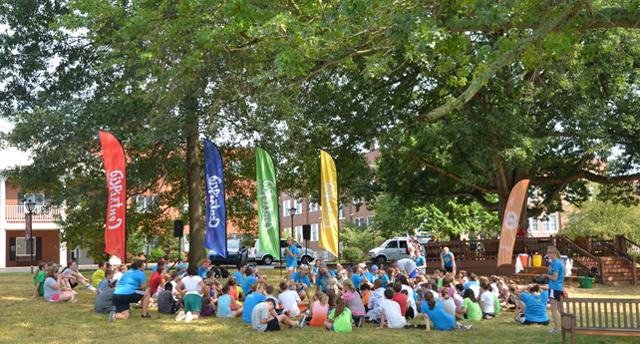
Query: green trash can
[[585, 282]]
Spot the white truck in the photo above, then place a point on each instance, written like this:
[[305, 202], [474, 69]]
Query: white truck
[[266, 259]]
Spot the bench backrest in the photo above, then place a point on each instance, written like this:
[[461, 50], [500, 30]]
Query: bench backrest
[[604, 313]]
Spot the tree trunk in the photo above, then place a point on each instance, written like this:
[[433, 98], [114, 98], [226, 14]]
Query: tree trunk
[[194, 182]]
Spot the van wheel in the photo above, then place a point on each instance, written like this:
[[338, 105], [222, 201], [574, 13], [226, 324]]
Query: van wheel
[[267, 260], [381, 259]]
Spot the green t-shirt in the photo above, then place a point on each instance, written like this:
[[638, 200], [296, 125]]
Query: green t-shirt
[[440, 284], [40, 277], [473, 309], [342, 324], [97, 277]]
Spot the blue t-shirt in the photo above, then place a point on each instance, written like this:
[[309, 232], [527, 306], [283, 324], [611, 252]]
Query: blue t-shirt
[[292, 262], [536, 306], [202, 272], [448, 260], [249, 303], [420, 261], [442, 320], [357, 280], [322, 282], [239, 278], [304, 279], [557, 265], [247, 283], [224, 306], [130, 282], [103, 284], [469, 284], [370, 276], [385, 280]]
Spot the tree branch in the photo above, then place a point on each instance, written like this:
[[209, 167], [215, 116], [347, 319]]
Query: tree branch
[[489, 71], [453, 177], [596, 178], [606, 18]]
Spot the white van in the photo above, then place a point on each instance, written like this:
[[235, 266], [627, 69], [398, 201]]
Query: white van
[[266, 259], [394, 248]]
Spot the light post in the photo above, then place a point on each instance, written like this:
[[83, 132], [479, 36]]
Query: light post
[[292, 213], [28, 221]]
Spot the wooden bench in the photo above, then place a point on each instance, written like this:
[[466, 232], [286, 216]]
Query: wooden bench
[[610, 317]]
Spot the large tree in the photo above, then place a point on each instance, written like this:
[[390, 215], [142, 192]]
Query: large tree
[[465, 98], [159, 75]]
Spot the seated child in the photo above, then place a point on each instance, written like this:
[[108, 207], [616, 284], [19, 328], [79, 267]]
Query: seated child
[[487, 301], [104, 300], [319, 310], [470, 308], [390, 313], [535, 305], [227, 306], [339, 319], [167, 304]]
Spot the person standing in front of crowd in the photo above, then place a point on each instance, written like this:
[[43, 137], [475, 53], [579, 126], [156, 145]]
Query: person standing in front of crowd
[[291, 257], [556, 288], [448, 261]]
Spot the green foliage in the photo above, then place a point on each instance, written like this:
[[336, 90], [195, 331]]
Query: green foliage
[[445, 220], [604, 219], [352, 255], [156, 253], [361, 238]]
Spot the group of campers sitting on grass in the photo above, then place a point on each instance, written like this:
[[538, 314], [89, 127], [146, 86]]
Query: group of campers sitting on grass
[[340, 299]]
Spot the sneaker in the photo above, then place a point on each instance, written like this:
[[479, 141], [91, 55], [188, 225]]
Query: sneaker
[[302, 322], [75, 292], [180, 316], [146, 316], [188, 317], [90, 287], [360, 322], [465, 327], [554, 331], [112, 316]]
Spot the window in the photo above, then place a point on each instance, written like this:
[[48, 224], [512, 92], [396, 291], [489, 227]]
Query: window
[[285, 207], [298, 205], [38, 198], [23, 248], [286, 232], [298, 235], [341, 212], [313, 207], [315, 232], [403, 244], [392, 244], [553, 223], [358, 201], [145, 204], [533, 224], [359, 221], [370, 220]]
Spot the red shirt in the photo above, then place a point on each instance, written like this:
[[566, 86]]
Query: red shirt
[[401, 299], [154, 283]]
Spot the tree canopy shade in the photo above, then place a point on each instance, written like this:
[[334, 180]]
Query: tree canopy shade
[[522, 89]]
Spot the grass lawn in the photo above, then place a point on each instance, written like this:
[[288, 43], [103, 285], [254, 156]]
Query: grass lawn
[[23, 320]]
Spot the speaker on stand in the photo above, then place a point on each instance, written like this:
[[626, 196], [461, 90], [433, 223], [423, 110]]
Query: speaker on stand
[[306, 235], [178, 232]]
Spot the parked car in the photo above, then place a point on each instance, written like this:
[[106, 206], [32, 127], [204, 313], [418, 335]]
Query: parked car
[[394, 248], [236, 254], [266, 259]]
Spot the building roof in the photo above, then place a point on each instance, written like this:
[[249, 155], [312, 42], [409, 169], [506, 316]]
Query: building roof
[[11, 157]]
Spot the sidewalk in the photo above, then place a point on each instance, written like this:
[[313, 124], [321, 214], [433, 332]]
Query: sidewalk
[[88, 267]]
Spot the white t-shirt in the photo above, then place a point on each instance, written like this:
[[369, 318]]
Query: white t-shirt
[[487, 302], [392, 314], [289, 300], [192, 284], [117, 276], [449, 306], [407, 265], [476, 289], [411, 301]]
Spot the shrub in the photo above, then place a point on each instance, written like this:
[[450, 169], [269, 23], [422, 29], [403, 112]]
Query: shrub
[[156, 254], [352, 254]]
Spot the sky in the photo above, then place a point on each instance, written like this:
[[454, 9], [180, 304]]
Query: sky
[[11, 157]]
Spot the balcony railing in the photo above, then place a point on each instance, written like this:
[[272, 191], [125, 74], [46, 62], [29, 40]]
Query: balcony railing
[[16, 214]]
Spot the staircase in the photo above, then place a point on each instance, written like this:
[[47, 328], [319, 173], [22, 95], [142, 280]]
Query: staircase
[[617, 270], [609, 261]]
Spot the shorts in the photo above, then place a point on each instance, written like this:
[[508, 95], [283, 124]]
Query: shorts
[[413, 274], [292, 313], [192, 303], [555, 294], [121, 302], [273, 325], [55, 297], [448, 268], [331, 328], [291, 268], [527, 322]]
